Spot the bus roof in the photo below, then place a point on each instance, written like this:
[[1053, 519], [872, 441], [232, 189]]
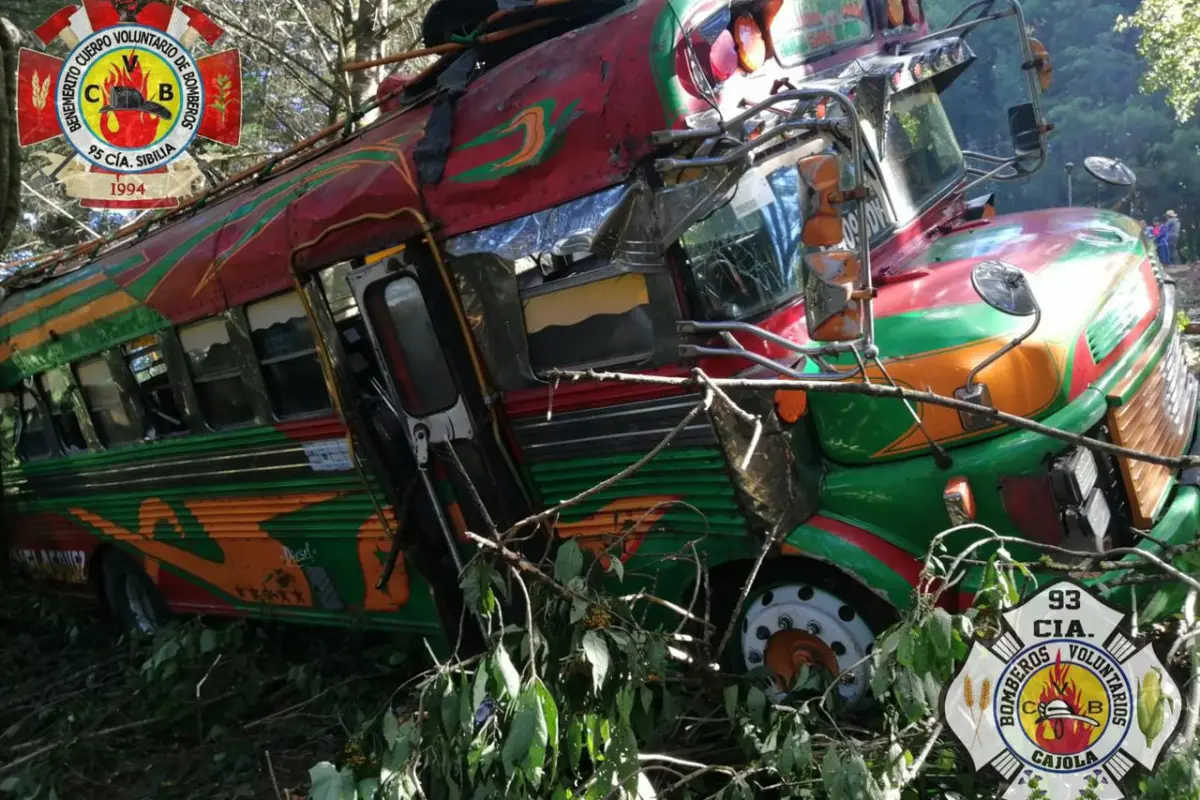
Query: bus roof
[[542, 128]]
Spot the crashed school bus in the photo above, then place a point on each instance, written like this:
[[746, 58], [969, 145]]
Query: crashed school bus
[[293, 398]]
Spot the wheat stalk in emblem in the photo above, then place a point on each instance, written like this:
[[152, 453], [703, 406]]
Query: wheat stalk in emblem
[[41, 91], [223, 98], [985, 701]]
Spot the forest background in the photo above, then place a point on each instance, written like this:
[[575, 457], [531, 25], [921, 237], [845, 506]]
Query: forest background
[[1122, 88]]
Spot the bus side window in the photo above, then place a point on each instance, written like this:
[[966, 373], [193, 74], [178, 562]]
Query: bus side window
[[599, 322], [215, 374], [287, 356], [36, 442], [149, 369], [57, 389], [115, 422]]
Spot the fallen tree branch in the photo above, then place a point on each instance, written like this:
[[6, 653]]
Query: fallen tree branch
[[41, 751], [886, 392]]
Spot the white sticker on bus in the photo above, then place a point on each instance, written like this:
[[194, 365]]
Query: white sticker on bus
[[753, 194], [328, 455]]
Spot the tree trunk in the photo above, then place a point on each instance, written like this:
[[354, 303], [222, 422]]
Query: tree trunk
[[10, 148]]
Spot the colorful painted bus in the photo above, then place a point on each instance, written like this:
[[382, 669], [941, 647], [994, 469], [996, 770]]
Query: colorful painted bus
[[293, 398]]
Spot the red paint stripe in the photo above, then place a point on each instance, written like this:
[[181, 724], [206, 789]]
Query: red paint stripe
[[898, 560], [303, 430]]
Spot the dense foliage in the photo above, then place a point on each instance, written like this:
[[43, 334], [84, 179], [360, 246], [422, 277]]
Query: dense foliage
[[1095, 104]]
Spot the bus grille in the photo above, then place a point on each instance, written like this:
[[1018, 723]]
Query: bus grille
[[1157, 419]]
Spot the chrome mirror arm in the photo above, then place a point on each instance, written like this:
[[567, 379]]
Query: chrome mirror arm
[[1008, 348], [694, 351]]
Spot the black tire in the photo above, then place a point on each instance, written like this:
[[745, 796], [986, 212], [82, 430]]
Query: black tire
[[133, 600], [727, 585]]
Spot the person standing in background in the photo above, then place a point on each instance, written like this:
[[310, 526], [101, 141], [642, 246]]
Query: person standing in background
[[1171, 234], [1160, 242]]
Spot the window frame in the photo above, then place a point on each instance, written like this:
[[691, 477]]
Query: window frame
[[257, 362], [131, 403], [78, 407], [238, 336], [174, 382]]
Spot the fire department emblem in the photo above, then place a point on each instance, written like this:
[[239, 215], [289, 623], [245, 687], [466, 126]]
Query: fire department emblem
[[1064, 700], [130, 98]]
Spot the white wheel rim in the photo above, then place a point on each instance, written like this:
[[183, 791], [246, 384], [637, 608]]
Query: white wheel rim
[[802, 607]]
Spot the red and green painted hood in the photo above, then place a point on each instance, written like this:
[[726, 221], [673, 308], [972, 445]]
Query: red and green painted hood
[[1098, 294]]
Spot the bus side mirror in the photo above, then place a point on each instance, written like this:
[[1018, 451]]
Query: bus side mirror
[[821, 178], [1041, 63], [831, 300], [1023, 128]]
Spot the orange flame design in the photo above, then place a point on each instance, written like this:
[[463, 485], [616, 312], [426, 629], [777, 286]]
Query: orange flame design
[[1063, 737]]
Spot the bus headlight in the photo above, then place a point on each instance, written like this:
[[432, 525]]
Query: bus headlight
[[1074, 476]]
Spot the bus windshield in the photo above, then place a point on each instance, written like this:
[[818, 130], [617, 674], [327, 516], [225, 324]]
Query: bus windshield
[[921, 153]]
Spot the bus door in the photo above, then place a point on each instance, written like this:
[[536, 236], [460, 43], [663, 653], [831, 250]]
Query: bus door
[[432, 386]]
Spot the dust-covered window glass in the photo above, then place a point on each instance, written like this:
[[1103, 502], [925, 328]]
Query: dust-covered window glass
[[335, 284], [216, 375], [56, 388], [594, 323], [149, 370], [287, 354], [36, 441], [111, 416]]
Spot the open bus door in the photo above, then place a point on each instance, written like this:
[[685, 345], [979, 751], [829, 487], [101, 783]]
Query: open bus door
[[455, 466]]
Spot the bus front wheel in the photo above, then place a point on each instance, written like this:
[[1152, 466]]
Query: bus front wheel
[[798, 614]]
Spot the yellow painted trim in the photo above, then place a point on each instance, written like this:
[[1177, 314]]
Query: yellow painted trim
[[616, 295]]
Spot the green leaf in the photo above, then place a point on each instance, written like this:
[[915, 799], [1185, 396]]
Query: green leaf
[[391, 728], [525, 742], [550, 714], [479, 689], [756, 702], [616, 566], [579, 609], [535, 759], [625, 702], [906, 646], [731, 700], [596, 652], [208, 641], [508, 673], [9, 785], [938, 628], [329, 784], [575, 741], [568, 563], [367, 788]]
